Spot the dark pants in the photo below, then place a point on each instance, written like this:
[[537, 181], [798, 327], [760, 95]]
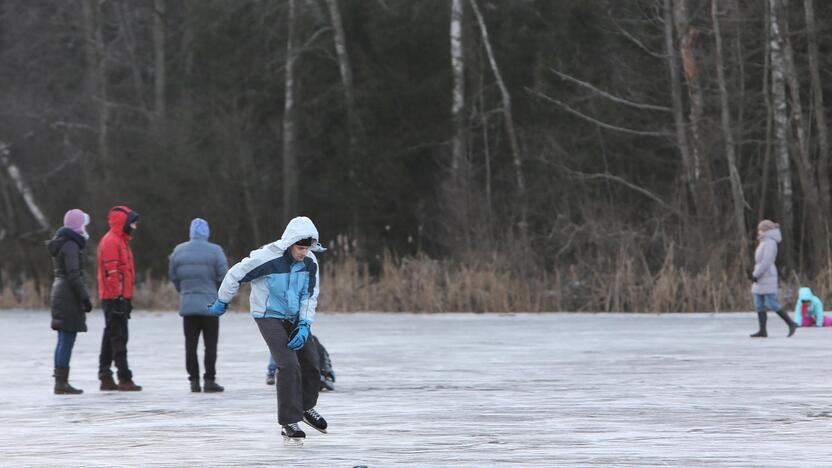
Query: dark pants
[[114, 343], [210, 329], [63, 350], [298, 379]]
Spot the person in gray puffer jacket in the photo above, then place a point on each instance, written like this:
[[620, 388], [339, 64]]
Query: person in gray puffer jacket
[[765, 279], [69, 297], [197, 267]]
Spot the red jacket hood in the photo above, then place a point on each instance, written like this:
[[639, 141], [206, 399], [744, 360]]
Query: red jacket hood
[[117, 218]]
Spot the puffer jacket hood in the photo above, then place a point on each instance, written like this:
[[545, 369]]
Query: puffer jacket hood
[[299, 228], [120, 218], [773, 234], [805, 294]]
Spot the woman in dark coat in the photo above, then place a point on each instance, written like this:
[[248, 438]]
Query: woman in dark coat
[[70, 299]]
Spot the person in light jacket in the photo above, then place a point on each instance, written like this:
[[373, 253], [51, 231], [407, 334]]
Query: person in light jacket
[[284, 296], [196, 269], [764, 277]]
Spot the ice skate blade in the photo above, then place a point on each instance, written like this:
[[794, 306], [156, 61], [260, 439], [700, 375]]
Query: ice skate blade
[[322, 431], [293, 441]]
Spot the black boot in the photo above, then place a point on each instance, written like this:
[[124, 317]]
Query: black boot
[[761, 333], [107, 383], [211, 386], [62, 386], [785, 316], [195, 386]]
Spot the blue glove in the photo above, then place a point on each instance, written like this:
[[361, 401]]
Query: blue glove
[[218, 308], [298, 337]]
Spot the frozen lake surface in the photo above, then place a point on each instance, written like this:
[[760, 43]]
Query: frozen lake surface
[[438, 390]]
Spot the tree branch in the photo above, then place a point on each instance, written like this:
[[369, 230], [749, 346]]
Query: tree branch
[[608, 95], [596, 121]]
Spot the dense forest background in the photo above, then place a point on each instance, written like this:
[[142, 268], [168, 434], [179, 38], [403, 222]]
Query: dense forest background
[[455, 154]]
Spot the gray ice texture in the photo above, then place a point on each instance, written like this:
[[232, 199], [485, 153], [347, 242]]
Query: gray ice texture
[[550, 390]]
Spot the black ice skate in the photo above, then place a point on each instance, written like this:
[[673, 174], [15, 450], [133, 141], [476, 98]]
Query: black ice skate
[[315, 420], [292, 431]]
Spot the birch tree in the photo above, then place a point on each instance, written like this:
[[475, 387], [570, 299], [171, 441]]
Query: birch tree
[[508, 119], [781, 124], [22, 186]]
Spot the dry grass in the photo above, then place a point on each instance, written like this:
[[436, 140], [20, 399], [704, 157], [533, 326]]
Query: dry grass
[[623, 282]]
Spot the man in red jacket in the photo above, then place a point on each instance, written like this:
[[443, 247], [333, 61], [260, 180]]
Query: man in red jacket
[[116, 275]]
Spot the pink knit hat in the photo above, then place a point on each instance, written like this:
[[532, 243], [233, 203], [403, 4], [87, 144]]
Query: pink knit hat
[[76, 220]]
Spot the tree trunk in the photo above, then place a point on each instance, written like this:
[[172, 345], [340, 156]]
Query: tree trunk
[[728, 137], [686, 36], [457, 187], [159, 64], [805, 167], [290, 169], [819, 109], [344, 66], [781, 125], [507, 119], [676, 96], [97, 75], [22, 187]]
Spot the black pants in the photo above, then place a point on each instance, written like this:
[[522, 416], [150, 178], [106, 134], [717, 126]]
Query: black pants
[[298, 380], [210, 329], [114, 343]]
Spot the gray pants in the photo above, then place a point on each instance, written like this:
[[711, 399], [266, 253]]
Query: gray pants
[[298, 372]]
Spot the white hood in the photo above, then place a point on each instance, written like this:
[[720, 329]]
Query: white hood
[[299, 228]]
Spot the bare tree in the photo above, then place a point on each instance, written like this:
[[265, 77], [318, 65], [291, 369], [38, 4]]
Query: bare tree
[[159, 64], [344, 66], [819, 109], [456, 187], [22, 187], [728, 138], [781, 124], [97, 72], [686, 37], [507, 114], [290, 165], [676, 96]]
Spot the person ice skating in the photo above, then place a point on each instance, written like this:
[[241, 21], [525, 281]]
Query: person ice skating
[[284, 296], [764, 277], [196, 269], [116, 276], [70, 299], [325, 363], [808, 311]]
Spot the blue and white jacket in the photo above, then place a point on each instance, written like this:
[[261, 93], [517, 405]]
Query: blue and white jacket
[[281, 287]]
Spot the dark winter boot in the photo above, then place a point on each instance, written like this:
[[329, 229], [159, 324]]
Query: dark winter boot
[[292, 431], [195, 386], [127, 385], [107, 383], [761, 333], [62, 386], [211, 386], [270, 378], [315, 420], [785, 316]]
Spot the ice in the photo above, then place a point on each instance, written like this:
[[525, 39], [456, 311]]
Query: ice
[[437, 390]]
